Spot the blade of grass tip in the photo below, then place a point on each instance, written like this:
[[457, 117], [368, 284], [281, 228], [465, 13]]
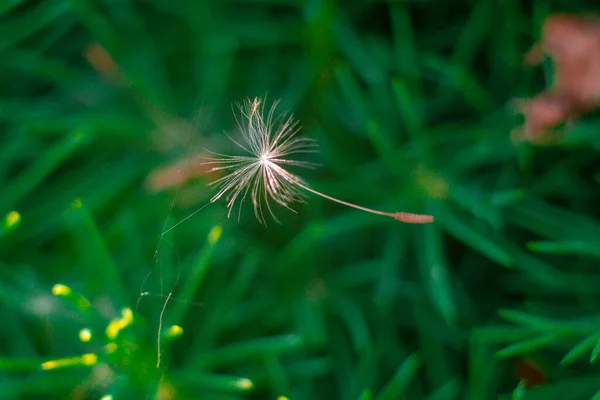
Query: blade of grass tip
[[449, 391], [352, 318], [548, 324], [78, 302], [520, 391], [240, 351], [434, 271], [571, 247], [535, 321], [560, 284], [507, 198], [595, 352], [578, 351], [492, 334], [402, 378], [596, 396], [49, 160], [220, 383], [543, 274], [528, 346], [578, 387], [9, 223], [200, 268], [553, 222], [484, 148], [90, 243], [484, 374]]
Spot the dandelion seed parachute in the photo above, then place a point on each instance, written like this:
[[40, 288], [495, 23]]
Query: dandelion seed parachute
[[261, 174]]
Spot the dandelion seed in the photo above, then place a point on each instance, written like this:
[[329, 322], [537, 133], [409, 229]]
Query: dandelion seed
[[261, 174]]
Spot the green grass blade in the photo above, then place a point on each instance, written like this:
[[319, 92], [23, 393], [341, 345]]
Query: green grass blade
[[578, 351], [200, 268], [528, 346], [39, 170], [235, 352], [404, 375]]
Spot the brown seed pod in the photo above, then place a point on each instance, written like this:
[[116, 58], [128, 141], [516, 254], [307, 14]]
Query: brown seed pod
[[410, 218]]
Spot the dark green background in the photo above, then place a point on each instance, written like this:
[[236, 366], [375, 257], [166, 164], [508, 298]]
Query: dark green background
[[409, 101]]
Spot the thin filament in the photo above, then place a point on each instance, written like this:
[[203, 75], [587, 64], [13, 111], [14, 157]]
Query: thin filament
[[160, 322], [400, 216]]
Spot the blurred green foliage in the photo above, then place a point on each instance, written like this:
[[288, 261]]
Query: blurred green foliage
[[408, 101]]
